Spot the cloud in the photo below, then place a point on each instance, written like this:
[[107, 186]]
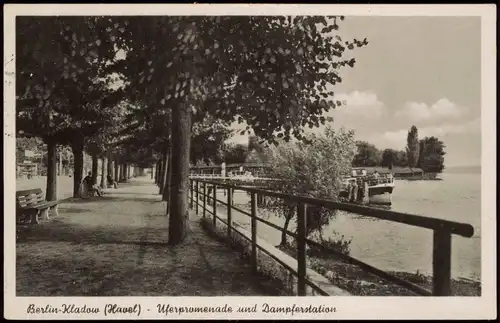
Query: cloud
[[419, 111], [360, 104], [398, 137]]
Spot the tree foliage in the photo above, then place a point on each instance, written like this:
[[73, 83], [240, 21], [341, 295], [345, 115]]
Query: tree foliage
[[432, 155], [367, 155], [207, 140], [62, 93], [389, 158], [314, 170], [272, 72], [412, 147], [269, 71], [58, 86], [235, 153]]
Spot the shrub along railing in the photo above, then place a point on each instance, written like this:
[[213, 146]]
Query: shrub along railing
[[442, 229]]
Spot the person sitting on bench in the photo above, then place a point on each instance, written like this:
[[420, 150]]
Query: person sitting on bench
[[112, 182], [91, 188]]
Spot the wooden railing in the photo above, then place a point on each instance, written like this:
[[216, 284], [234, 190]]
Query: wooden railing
[[442, 229]]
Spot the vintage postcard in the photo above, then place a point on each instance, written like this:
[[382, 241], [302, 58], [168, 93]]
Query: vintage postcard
[[216, 161]]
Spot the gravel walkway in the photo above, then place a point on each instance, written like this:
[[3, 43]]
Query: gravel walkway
[[117, 246]]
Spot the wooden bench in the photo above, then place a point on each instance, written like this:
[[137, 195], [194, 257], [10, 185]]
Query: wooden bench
[[31, 203]]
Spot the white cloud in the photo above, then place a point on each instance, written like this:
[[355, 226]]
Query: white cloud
[[443, 108], [359, 104], [398, 138]]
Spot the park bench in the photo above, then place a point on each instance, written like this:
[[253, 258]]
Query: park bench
[[31, 203]]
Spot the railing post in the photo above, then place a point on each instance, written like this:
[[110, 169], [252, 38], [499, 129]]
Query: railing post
[[214, 204], [441, 263], [229, 210], [191, 190], [197, 195], [301, 249], [253, 257], [204, 198]]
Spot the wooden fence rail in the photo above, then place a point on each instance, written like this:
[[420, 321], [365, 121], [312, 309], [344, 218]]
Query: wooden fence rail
[[442, 229]]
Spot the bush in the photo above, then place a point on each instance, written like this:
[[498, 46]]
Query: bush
[[340, 245], [315, 169]]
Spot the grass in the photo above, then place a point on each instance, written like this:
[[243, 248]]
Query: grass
[[117, 246]]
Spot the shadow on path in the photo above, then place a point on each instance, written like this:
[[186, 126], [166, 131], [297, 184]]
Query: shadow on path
[[117, 246]]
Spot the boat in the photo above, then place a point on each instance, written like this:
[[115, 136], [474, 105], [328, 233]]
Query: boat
[[364, 188]]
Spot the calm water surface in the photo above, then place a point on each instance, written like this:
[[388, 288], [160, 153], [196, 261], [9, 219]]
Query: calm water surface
[[393, 246], [399, 247]]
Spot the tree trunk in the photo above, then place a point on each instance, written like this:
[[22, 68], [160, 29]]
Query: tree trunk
[[77, 149], [103, 173], [284, 235], [122, 172], [117, 170], [109, 167], [51, 191], [153, 172], [163, 177], [181, 137], [160, 171], [59, 166], [95, 168], [168, 179]]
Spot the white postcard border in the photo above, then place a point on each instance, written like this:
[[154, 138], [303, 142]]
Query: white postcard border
[[346, 307]]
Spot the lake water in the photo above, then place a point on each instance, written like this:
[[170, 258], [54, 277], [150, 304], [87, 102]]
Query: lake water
[[394, 246], [399, 247]]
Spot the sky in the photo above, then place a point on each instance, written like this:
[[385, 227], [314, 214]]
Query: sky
[[422, 71]]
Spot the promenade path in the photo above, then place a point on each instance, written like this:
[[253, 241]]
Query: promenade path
[[117, 246]]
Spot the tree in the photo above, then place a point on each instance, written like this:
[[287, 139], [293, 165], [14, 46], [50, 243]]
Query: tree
[[59, 93], [208, 137], [314, 170], [367, 155], [389, 158], [235, 153], [432, 155], [401, 159], [412, 147], [271, 72]]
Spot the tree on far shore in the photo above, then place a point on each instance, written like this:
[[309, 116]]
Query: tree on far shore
[[432, 155], [412, 147], [389, 158], [367, 155]]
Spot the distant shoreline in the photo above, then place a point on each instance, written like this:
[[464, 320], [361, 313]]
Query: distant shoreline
[[472, 169]]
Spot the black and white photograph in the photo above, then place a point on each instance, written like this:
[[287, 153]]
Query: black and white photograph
[[222, 160]]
